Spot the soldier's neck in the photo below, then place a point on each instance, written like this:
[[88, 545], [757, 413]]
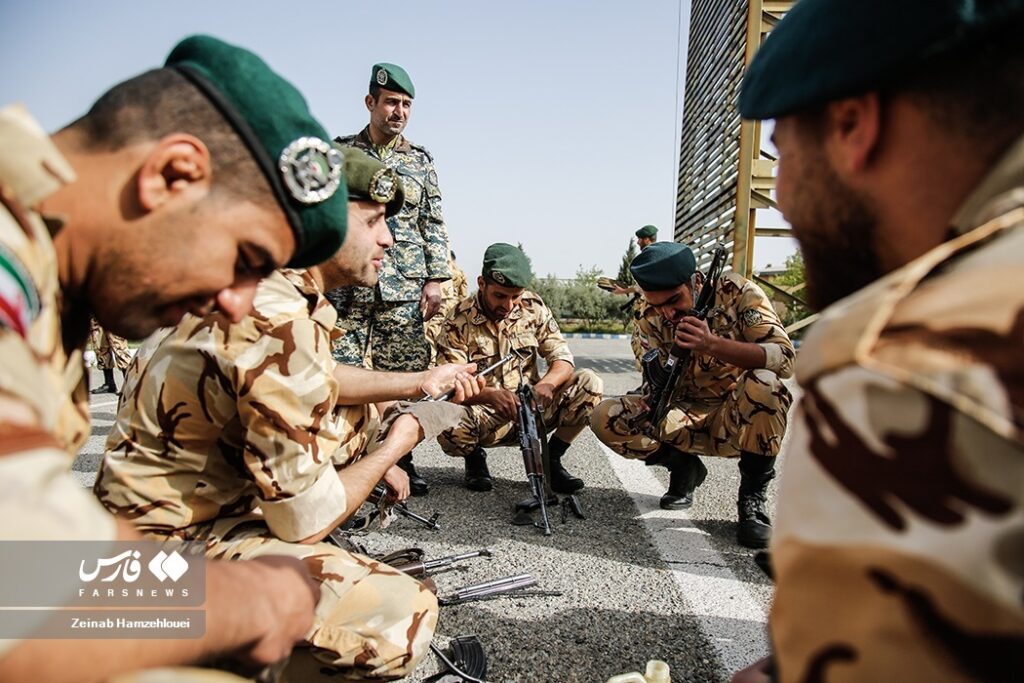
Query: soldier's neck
[[380, 139]]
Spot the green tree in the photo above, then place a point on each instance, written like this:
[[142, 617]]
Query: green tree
[[793, 281], [624, 276]]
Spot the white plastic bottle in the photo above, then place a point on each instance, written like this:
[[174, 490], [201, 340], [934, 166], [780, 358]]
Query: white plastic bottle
[[657, 672]]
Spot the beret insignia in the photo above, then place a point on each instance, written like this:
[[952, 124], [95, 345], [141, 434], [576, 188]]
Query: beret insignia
[[752, 317], [383, 186], [498, 277], [382, 76], [311, 169]]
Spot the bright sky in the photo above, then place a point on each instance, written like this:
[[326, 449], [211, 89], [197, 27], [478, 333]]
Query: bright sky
[[552, 123]]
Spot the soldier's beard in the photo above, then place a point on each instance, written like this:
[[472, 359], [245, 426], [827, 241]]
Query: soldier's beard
[[837, 230]]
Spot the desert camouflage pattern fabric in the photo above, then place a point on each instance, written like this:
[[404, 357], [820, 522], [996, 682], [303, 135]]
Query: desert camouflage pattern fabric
[[111, 351], [452, 292], [229, 434], [637, 340], [723, 410], [898, 541], [531, 332]]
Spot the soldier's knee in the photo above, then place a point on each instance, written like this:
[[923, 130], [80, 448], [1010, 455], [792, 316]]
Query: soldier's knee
[[590, 382], [600, 420], [763, 386]]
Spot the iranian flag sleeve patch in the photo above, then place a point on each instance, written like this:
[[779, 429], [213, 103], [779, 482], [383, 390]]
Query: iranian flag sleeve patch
[[19, 301]]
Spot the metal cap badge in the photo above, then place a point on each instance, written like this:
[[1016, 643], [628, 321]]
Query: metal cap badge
[[311, 169], [383, 186]]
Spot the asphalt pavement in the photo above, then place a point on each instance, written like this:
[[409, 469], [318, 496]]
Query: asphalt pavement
[[635, 582]]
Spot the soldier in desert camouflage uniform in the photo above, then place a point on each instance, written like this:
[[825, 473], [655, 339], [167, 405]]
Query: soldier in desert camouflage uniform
[[383, 325], [732, 402], [251, 438], [899, 550], [502, 317], [452, 292], [180, 238], [111, 352], [645, 237]]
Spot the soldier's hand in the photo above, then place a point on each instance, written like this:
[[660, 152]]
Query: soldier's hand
[[398, 482], [619, 289], [504, 402], [694, 334], [758, 672], [430, 299], [287, 597], [438, 380], [468, 387], [545, 394]]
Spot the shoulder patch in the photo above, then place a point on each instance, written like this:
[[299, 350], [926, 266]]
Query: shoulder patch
[[752, 317], [19, 298]]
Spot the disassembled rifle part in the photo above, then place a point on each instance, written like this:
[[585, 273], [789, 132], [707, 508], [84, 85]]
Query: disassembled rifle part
[[447, 396], [467, 663], [494, 588]]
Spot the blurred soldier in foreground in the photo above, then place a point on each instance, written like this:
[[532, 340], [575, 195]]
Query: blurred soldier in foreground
[[146, 233], [732, 401], [899, 552], [111, 352], [383, 325], [504, 317], [452, 292], [251, 438]]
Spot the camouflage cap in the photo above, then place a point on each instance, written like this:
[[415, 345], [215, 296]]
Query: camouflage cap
[[507, 266], [392, 77], [368, 179], [647, 231], [663, 265], [290, 146], [824, 50]]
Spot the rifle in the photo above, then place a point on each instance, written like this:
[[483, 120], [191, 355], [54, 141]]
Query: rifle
[[534, 444], [420, 567], [662, 381]]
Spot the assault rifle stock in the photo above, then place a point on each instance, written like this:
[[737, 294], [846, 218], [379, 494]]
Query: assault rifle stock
[[663, 381]]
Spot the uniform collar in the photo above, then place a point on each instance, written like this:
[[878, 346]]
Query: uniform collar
[[1000, 191], [31, 168], [478, 317], [402, 145]]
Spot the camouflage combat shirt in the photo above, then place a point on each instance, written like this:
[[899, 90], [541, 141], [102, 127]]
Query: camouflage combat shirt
[[741, 312], [221, 423], [420, 252], [530, 330], [899, 543]]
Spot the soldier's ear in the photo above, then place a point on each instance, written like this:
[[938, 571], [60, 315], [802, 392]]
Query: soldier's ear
[[370, 102], [178, 166], [480, 282]]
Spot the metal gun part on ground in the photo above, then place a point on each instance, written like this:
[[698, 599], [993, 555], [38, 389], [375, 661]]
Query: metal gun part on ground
[[487, 589], [421, 567], [379, 496], [663, 382]]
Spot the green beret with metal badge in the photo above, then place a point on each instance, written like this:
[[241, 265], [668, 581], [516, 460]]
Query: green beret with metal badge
[[304, 170], [663, 265], [825, 50], [369, 179], [647, 231], [392, 77], [507, 266]]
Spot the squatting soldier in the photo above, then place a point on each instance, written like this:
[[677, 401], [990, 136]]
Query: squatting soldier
[[383, 326], [732, 401], [452, 292], [238, 435], [645, 237], [898, 553], [111, 352], [182, 237], [502, 317]]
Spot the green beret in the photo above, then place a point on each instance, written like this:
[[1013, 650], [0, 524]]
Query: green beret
[[507, 266], [392, 77], [304, 170], [647, 231], [825, 50], [373, 181], [663, 265]]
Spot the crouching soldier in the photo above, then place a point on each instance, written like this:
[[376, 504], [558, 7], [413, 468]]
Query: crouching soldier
[[504, 317], [732, 401]]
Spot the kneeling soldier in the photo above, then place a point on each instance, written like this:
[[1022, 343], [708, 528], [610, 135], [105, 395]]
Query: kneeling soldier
[[504, 317], [732, 400], [236, 435]]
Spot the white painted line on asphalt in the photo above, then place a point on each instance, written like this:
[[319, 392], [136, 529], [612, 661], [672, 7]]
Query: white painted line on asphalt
[[728, 615], [103, 404]]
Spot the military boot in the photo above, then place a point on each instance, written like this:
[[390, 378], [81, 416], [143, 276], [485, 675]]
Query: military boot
[[686, 473], [478, 477], [108, 386], [417, 484], [755, 527], [561, 480]]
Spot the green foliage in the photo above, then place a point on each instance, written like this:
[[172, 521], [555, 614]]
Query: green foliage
[[793, 280], [579, 303]]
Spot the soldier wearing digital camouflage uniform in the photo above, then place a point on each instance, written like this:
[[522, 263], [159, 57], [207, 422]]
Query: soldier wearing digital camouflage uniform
[[899, 549], [145, 233], [452, 292], [383, 326], [251, 438], [732, 401], [504, 317], [111, 352]]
